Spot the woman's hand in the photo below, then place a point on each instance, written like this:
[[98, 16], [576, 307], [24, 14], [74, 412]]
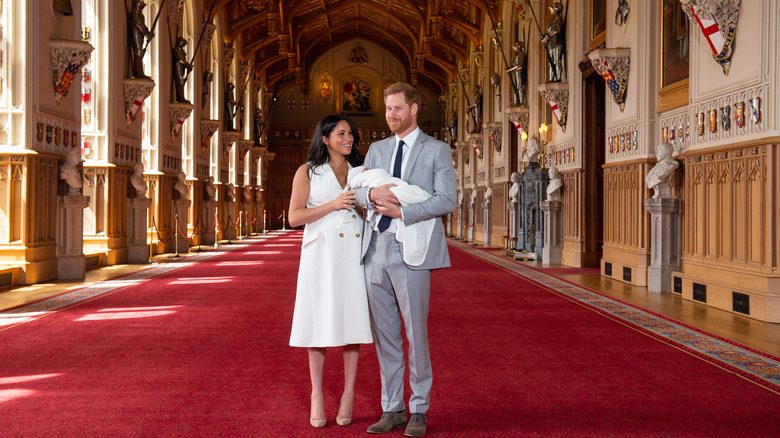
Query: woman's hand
[[344, 201]]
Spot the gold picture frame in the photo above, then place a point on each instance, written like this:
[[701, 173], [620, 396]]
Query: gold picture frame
[[674, 43], [598, 23]]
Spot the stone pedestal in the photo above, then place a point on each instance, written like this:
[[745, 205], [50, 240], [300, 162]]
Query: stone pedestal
[[553, 232], [180, 210], [471, 220], [665, 241], [137, 214], [208, 213], [487, 229], [512, 207], [462, 219], [245, 226], [71, 263], [229, 225]]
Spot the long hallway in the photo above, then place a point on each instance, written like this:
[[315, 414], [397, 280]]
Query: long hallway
[[198, 347]]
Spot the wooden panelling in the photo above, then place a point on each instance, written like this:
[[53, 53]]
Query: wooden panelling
[[626, 222], [730, 210]]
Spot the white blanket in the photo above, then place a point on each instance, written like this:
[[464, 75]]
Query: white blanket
[[415, 237]]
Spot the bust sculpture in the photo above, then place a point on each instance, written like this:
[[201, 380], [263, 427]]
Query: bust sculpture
[[211, 191], [531, 150], [230, 193], [137, 180], [181, 186], [473, 193], [70, 171], [514, 190], [658, 176], [555, 184]]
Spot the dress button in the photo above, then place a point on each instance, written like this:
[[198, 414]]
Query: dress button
[[341, 234], [357, 235], [354, 216]]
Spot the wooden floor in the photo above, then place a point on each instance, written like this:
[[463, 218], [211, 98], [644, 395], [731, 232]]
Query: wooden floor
[[760, 335]]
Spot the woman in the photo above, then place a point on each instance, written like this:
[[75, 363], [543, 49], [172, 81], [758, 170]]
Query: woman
[[331, 305]]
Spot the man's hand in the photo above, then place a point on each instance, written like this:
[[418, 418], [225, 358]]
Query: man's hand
[[383, 196], [389, 209]]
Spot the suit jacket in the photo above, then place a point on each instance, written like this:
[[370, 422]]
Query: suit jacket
[[428, 166]]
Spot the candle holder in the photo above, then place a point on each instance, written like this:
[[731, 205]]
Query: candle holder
[[542, 146], [523, 151]]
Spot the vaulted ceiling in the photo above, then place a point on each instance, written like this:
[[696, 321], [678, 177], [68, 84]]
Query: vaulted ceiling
[[285, 37]]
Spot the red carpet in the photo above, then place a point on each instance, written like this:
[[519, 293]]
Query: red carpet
[[202, 351]]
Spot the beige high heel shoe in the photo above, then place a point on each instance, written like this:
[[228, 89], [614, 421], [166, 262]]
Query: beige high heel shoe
[[343, 421], [318, 423]]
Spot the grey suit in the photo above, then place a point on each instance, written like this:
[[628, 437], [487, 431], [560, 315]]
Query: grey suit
[[394, 286]]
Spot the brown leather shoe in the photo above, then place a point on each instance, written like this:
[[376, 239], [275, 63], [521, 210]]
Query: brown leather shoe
[[388, 422], [416, 426]]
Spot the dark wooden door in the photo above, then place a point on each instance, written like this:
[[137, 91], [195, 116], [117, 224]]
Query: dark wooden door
[[594, 139]]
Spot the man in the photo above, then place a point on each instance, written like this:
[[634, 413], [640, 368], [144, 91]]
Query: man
[[394, 286]]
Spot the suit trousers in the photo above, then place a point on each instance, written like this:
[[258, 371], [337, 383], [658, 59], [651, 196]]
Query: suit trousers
[[393, 287]]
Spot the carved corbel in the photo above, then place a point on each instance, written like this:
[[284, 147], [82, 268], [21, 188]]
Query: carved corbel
[[243, 148], [520, 118], [494, 132], [178, 113], [228, 138], [556, 94], [718, 22], [136, 91], [478, 143], [67, 58], [207, 130], [229, 53], [208, 33], [613, 65], [465, 151]]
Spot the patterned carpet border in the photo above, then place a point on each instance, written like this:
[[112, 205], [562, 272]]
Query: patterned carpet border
[[28, 312], [754, 365]]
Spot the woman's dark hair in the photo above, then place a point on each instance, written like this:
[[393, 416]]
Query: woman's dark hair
[[318, 151]]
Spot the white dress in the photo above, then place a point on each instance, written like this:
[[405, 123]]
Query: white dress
[[331, 304]]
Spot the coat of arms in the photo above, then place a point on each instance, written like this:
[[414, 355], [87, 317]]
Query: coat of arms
[[755, 109], [713, 120], [725, 117], [739, 114]]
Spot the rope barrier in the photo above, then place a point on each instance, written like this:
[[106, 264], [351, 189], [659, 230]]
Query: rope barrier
[[157, 231], [178, 225], [473, 222]]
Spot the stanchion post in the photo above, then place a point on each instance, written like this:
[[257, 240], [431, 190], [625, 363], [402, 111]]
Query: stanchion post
[[240, 225], [264, 219], [284, 220], [151, 245], [216, 245], [175, 237]]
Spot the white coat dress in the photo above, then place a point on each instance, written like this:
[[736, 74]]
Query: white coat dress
[[331, 304]]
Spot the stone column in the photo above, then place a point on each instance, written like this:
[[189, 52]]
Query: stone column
[[553, 233], [180, 207], [71, 263], [665, 241], [137, 216]]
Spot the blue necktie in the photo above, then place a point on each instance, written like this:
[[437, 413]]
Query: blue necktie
[[384, 222]]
